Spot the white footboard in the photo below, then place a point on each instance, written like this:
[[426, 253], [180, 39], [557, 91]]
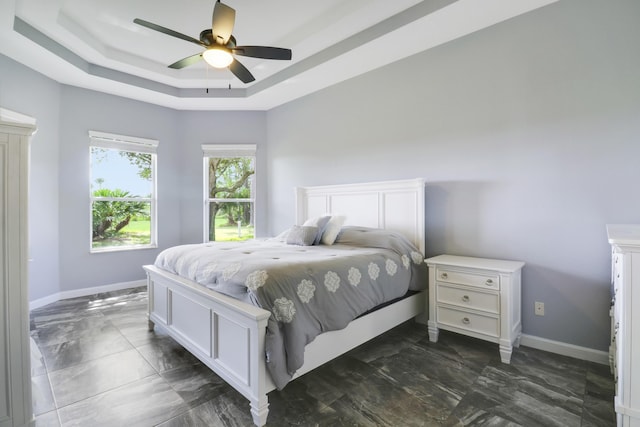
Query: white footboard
[[229, 336], [225, 334]]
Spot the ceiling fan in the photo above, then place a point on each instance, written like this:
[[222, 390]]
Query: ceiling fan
[[220, 44]]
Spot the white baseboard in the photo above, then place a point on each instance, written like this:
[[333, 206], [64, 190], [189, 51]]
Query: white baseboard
[[583, 353], [41, 302]]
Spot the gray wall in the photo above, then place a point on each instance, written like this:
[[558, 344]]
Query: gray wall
[[81, 111], [41, 101], [217, 127], [527, 136]]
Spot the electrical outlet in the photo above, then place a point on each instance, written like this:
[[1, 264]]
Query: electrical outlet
[[539, 308]]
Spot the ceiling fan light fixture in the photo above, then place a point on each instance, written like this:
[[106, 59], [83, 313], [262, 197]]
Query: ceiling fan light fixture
[[218, 57]]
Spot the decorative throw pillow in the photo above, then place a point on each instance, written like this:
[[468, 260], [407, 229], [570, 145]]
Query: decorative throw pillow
[[282, 237], [302, 235], [321, 223], [332, 230]]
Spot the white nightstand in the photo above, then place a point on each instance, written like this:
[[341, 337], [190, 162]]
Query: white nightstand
[[477, 297]]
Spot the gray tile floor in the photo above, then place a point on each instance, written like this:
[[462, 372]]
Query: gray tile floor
[[95, 364]]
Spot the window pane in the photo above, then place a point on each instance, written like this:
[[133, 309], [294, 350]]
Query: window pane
[[120, 224], [231, 177], [127, 171], [230, 221]]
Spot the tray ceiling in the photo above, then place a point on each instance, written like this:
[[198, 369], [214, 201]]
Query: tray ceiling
[[95, 44]]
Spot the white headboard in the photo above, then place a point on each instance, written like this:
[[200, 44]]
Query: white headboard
[[392, 205]]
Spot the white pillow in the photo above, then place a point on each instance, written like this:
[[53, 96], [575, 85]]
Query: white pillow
[[332, 229]]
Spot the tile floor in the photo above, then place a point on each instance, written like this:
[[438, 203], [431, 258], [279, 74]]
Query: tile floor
[[95, 364]]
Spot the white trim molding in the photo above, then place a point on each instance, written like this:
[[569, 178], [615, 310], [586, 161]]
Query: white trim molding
[[7, 115], [229, 150], [41, 302], [122, 142], [565, 349]]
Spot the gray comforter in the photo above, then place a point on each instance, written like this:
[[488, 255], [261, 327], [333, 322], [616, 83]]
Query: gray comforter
[[308, 289]]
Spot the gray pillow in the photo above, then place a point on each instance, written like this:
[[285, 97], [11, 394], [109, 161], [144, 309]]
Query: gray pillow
[[320, 222], [322, 225], [302, 235]]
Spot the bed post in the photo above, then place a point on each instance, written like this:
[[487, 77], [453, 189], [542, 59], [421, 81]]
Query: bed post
[[301, 205], [260, 380], [260, 410], [150, 324]]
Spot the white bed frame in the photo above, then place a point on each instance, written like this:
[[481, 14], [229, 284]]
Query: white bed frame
[[229, 336]]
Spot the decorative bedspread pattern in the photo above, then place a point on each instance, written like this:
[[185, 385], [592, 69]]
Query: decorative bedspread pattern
[[308, 289]]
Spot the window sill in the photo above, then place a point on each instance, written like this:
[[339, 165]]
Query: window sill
[[121, 249]]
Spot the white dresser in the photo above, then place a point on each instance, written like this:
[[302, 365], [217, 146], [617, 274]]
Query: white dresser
[[477, 297], [15, 371], [625, 334]]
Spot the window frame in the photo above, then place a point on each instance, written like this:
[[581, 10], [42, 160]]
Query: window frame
[[131, 144], [218, 151]]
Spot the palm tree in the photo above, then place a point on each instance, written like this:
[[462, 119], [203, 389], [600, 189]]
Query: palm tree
[[111, 216]]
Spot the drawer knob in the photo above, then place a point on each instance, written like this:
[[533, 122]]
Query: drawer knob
[[465, 298], [466, 320], [444, 275], [489, 282]]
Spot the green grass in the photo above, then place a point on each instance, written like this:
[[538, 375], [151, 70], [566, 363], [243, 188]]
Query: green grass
[[137, 227], [137, 233], [225, 234]]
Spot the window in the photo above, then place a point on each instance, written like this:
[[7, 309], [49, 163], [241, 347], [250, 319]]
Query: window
[[123, 192], [229, 188]]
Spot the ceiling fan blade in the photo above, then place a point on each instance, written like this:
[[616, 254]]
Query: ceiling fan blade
[[224, 18], [241, 72], [185, 62], [167, 31], [265, 52]]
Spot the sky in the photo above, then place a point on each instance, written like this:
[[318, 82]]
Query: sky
[[117, 172]]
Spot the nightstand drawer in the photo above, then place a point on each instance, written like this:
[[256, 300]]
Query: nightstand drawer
[[467, 298], [469, 321], [480, 279]]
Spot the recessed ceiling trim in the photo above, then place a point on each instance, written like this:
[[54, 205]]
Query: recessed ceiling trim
[[384, 27], [357, 40], [50, 40], [23, 28], [65, 54]]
